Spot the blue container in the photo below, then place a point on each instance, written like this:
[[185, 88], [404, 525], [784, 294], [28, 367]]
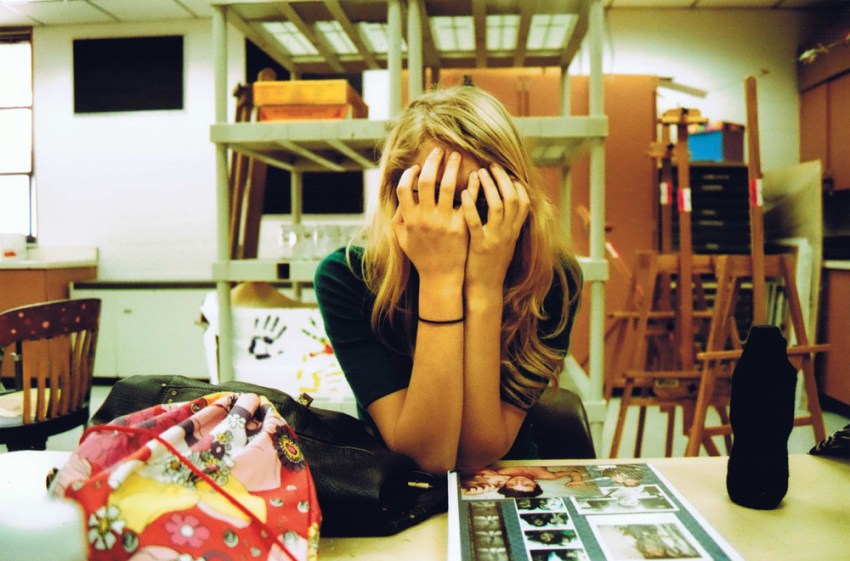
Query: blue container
[[723, 145]]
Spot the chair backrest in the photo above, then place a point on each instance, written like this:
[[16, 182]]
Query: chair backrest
[[53, 345], [560, 427]]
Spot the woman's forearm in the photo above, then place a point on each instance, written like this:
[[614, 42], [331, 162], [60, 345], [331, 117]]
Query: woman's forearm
[[485, 433], [428, 425]]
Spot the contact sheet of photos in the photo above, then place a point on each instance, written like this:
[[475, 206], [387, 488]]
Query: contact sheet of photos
[[613, 512]]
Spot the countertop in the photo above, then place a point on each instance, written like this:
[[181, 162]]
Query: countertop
[[53, 258]]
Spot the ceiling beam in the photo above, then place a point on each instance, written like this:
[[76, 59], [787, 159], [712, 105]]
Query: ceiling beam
[[479, 15], [264, 40], [430, 55], [526, 11], [310, 34], [339, 15], [576, 37]]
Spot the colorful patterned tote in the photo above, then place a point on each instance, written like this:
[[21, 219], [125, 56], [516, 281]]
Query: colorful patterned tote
[[221, 477]]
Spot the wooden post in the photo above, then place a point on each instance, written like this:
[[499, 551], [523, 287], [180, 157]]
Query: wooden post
[[756, 203], [686, 277]]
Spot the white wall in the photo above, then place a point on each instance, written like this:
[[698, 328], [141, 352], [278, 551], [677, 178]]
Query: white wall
[[141, 186], [714, 50]]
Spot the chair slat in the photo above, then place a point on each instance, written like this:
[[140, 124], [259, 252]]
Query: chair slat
[[56, 342]]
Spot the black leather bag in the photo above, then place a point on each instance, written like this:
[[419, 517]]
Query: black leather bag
[[364, 489]]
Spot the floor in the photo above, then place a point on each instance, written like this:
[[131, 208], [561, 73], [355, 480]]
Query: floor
[[801, 440]]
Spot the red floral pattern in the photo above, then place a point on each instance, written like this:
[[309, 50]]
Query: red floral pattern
[[239, 489]]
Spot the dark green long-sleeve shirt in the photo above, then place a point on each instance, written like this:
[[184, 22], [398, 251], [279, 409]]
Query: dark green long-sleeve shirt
[[374, 368]]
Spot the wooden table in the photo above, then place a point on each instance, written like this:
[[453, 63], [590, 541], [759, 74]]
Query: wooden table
[[811, 523]]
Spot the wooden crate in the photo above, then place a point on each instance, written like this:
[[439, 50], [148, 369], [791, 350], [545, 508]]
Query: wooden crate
[[308, 99]]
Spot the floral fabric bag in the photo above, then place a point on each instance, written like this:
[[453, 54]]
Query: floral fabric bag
[[219, 477]]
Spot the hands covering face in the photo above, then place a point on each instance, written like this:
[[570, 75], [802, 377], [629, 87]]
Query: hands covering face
[[441, 237]]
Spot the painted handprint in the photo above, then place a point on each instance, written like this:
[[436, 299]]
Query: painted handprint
[[266, 334], [318, 335]]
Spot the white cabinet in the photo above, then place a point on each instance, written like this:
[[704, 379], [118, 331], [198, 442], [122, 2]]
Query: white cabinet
[[148, 328]]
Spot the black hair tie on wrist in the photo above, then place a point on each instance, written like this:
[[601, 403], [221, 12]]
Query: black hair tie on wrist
[[441, 322]]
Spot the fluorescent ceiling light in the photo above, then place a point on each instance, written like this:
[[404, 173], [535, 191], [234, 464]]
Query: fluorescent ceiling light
[[548, 32], [292, 40], [336, 37], [375, 36], [502, 31], [453, 33]]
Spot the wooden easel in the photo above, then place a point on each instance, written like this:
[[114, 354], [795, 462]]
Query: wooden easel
[[731, 271], [645, 325], [718, 360], [650, 317]]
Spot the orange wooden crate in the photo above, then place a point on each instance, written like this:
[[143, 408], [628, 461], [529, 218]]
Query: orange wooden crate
[[308, 99], [306, 112]]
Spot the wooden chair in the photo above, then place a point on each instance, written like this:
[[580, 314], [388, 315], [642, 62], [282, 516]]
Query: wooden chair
[[560, 427], [52, 346]]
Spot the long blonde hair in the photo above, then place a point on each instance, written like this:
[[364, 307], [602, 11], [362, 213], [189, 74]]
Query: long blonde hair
[[471, 120]]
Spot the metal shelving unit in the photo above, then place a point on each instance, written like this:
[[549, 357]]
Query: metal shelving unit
[[327, 36]]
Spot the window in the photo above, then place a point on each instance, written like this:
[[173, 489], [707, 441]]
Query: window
[[17, 185], [128, 74]]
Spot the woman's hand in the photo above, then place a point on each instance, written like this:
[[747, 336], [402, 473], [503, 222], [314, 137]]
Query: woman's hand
[[429, 230], [491, 245]]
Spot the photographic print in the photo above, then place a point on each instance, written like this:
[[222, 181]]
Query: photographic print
[[599, 512], [614, 500], [518, 482], [558, 555], [554, 537], [543, 504], [544, 520], [639, 537]]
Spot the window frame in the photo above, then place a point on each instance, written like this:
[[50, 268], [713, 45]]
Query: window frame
[[16, 35]]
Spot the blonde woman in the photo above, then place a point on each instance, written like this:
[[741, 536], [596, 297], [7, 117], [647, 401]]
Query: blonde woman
[[456, 315]]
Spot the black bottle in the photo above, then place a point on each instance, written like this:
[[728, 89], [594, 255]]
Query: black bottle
[[761, 412]]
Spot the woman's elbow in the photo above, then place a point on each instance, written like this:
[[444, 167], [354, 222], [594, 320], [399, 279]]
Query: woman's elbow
[[484, 454], [435, 466], [435, 462]]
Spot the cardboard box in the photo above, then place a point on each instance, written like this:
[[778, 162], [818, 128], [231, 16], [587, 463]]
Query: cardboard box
[[308, 99]]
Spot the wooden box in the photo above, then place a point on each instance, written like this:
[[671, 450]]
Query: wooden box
[[308, 99]]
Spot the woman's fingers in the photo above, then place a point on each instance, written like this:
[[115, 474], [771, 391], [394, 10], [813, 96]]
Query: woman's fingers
[[491, 194], [428, 178], [473, 185], [448, 181], [510, 199], [470, 214], [404, 190], [524, 205]]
